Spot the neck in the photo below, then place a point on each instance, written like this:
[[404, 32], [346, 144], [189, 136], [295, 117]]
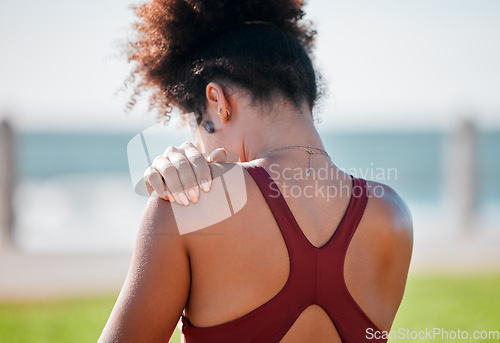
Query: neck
[[296, 130]]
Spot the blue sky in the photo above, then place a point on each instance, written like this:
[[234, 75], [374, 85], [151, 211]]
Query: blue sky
[[390, 64]]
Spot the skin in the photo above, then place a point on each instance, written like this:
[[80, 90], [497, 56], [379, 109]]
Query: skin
[[227, 269]]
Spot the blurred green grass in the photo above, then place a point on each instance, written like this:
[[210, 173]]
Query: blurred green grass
[[470, 303], [450, 302], [68, 321]]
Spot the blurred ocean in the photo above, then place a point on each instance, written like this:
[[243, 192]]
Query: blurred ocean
[[75, 192]]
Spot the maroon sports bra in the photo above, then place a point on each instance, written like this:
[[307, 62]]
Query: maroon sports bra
[[316, 277]]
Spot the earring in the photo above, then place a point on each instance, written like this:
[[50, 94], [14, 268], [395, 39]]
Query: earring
[[228, 114], [209, 127]]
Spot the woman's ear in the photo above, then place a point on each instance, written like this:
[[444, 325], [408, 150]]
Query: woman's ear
[[216, 99]]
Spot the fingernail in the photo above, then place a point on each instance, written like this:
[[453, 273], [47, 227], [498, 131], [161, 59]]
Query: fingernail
[[169, 196], [183, 199], [154, 194], [193, 196], [205, 186]]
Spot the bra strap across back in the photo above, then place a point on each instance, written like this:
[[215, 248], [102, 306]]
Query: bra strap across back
[[274, 199], [287, 222], [352, 216]]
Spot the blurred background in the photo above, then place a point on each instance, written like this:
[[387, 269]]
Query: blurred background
[[413, 101]]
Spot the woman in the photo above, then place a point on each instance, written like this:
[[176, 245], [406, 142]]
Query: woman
[[312, 254]]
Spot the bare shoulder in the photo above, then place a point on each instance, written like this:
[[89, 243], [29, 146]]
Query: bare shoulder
[[389, 213], [158, 218], [386, 234], [158, 229], [381, 254]]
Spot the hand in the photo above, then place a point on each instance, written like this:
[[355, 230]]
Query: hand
[[180, 172]]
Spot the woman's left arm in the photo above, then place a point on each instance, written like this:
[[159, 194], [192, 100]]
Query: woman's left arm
[[156, 289]]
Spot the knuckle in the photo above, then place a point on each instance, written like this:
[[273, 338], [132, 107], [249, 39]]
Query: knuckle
[[157, 159], [187, 145], [170, 150]]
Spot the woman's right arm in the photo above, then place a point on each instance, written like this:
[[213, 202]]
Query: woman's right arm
[[156, 289]]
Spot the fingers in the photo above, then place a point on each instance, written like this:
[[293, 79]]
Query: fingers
[[171, 180], [221, 155], [218, 155], [154, 183], [179, 173], [183, 182], [199, 166]]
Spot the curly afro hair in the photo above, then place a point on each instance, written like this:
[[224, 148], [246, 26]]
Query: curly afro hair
[[262, 46]]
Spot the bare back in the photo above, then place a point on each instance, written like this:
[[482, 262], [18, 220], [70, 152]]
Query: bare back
[[242, 262]]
